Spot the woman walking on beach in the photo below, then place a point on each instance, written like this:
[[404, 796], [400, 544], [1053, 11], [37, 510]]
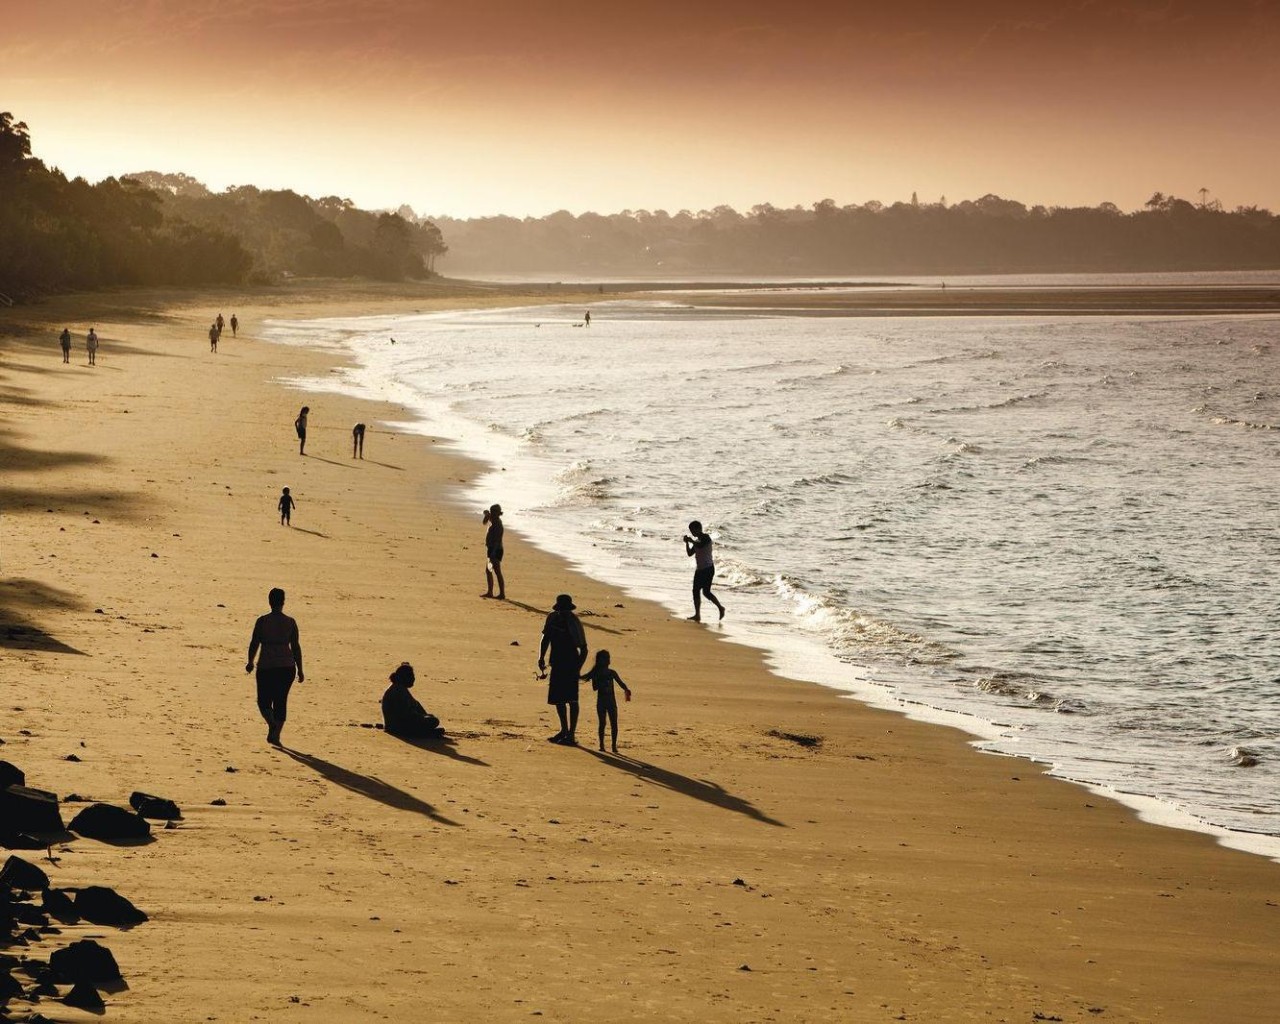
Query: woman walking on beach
[[277, 635], [300, 425], [563, 634], [493, 552], [602, 679]]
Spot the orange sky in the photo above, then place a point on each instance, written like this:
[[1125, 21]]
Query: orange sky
[[524, 108]]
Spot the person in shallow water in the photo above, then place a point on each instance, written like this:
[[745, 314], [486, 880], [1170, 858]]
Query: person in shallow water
[[698, 547], [402, 715], [277, 636], [562, 634]]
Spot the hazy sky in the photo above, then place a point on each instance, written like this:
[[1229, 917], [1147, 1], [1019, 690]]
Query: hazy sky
[[526, 107]]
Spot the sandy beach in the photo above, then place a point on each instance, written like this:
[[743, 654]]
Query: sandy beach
[[761, 850]]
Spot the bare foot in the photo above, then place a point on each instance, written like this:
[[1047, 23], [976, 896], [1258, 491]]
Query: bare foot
[[695, 618], [486, 595], [615, 748], [722, 611]]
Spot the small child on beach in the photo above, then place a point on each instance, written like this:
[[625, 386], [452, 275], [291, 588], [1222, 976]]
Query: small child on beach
[[287, 505], [602, 678]]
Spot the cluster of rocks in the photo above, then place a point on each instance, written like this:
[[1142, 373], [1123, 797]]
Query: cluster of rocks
[[33, 911]]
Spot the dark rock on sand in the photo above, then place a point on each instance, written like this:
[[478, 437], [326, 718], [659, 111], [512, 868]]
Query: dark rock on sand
[[59, 905], [10, 988], [102, 821], [20, 841], [11, 775], [154, 807], [84, 997], [20, 874], [32, 811], [101, 905], [85, 961]]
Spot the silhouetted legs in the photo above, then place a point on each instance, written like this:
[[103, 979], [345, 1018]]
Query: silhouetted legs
[[608, 710], [702, 587], [568, 724], [493, 571], [273, 698]]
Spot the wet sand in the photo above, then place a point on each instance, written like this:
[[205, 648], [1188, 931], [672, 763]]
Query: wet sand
[[718, 870]]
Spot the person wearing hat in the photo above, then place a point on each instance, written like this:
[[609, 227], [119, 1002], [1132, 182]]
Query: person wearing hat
[[564, 637], [402, 715]]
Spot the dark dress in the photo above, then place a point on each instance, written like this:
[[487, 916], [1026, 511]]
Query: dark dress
[[568, 645]]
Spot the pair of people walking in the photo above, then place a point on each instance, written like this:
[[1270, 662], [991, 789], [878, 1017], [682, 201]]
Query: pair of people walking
[[565, 640]]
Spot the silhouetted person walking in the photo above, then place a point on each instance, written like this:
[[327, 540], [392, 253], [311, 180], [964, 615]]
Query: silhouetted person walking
[[286, 506], [602, 679], [563, 635], [357, 441], [277, 635], [493, 552], [698, 547], [213, 337], [235, 325], [64, 339], [402, 715], [219, 323], [91, 346], [586, 318], [300, 425]]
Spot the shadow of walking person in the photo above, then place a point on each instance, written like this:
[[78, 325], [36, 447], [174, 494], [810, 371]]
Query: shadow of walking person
[[699, 789], [445, 746], [368, 786]]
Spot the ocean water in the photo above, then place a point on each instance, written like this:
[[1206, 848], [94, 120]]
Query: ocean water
[[1058, 533]]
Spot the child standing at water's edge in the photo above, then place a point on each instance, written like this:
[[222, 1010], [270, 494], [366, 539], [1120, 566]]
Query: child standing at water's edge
[[287, 505], [602, 678]]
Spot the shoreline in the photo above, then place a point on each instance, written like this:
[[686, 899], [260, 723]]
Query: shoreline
[[787, 653], [906, 871]]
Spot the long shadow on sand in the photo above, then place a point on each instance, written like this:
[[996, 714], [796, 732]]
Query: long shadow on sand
[[384, 465], [446, 747], [314, 533], [332, 462], [586, 622], [368, 786], [699, 789], [17, 631]]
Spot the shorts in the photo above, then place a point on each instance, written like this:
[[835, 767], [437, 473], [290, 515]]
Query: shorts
[[495, 556], [702, 578]]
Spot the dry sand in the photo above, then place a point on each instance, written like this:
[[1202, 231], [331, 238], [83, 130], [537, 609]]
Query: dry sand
[[888, 873]]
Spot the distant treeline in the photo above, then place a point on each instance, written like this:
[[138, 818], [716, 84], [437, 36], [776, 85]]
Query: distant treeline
[[168, 229], [987, 235]]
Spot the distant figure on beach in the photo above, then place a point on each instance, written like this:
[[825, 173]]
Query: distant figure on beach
[[357, 441], [277, 635], [64, 339], [602, 679], [586, 318], [563, 635], [300, 425], [235, 325], [287, 505], [219, 323], [493, 552], [402, 715], [91, 346], [698, 547], [213, 337]]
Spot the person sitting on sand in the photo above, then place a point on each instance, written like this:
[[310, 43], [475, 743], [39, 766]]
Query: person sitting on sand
[[235, 325], [493, 552], [300, 425], [402, 715], [277, 634], [563, 634], [602, 679], [91, 346], [698, 547], [287, 505], [64, 339], [357, 441]]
